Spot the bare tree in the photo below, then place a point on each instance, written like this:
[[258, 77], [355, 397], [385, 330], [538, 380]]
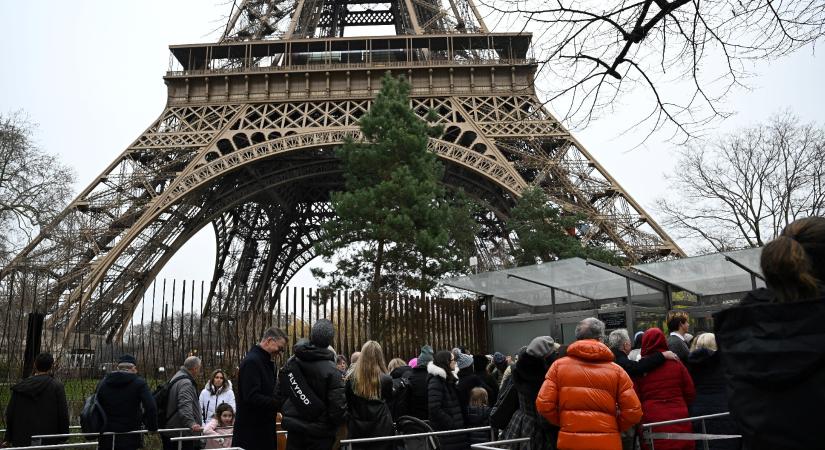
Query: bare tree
[[745, 189], [34, 185], [685, 55]]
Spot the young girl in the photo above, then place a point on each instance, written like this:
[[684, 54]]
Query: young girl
[[221, 423], [478, 415]]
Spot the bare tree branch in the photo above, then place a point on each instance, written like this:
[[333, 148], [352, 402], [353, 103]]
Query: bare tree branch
[[674, 47], [746, 189]]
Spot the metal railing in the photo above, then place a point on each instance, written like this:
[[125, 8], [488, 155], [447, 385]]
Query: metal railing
[[37, 439], [493, 445], [348, 443], [205, 437], [55, 447], [650, 436]]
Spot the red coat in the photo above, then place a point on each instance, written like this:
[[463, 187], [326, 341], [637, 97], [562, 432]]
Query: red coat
[[589, 397], [665, 393]]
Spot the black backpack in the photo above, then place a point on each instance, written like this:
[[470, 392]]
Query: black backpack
[[92, 417], [401, 391], [161, 396]]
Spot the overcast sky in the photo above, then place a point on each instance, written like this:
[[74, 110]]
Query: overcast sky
[[89, 73]]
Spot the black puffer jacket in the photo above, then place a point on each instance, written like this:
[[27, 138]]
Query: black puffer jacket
[[129, 406], [37, 406], [417, 401], [324, 379], [773, 356], [705, 368], [257, 405], [370, 417], [445, 408]]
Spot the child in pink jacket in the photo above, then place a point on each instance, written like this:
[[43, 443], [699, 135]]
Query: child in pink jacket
[[220, 424]]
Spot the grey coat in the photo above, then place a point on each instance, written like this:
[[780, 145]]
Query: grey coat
[[183, 397], [679, 346]]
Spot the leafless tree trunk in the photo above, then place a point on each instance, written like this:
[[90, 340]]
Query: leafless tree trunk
[[34, 186], [745, 189]]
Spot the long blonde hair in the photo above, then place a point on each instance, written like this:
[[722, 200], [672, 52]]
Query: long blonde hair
[[366, 377]]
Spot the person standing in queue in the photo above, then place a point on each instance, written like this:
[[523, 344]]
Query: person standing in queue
[[257, 404]]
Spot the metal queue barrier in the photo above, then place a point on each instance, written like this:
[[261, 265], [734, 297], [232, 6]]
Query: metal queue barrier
[[37, 439], [90, 444], [493, 445], [650, 436], [181, 439], [346, 444]]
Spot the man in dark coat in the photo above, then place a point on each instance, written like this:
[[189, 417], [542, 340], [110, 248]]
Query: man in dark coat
[[417, 401], [37, 406], [312, 392], [772, 354], [257, 405], [129, 405]]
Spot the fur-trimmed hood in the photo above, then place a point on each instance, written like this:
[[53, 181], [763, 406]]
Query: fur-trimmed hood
[[434, 370]]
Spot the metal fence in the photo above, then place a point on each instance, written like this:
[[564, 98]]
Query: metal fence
[[175, 319], [650, 436]]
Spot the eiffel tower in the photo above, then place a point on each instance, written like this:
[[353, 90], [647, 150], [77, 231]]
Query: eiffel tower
[[246, 144]]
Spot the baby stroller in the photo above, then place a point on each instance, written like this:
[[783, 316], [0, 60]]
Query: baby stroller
[[414, 425]]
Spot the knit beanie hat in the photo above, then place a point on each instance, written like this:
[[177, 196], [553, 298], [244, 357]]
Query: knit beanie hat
[[542, 346], [462, 360], [322, 333], [426, 355], [499, 358]]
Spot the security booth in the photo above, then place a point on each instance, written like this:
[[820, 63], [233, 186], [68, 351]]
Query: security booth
[[552, 298]]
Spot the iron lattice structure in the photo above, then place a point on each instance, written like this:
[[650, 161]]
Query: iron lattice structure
[[246, 143]]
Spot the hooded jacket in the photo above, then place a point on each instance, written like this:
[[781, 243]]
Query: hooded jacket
[[445, 408], [318, 368], [589, 397], [665, 393], [37, 406], [773, 356], [129, 405], [209, 401]]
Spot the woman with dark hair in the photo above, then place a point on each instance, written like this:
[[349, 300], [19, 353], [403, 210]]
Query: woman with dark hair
[[369, 393], [442, 401], [218, 390], [772, 344]]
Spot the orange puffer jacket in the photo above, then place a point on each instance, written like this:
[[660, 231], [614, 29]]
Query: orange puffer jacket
[[589, 397]]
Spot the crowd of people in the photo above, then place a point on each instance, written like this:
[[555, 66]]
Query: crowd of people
[[765, 363]]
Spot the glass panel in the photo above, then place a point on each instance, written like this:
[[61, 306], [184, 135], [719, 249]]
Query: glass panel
[[708, 274]]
